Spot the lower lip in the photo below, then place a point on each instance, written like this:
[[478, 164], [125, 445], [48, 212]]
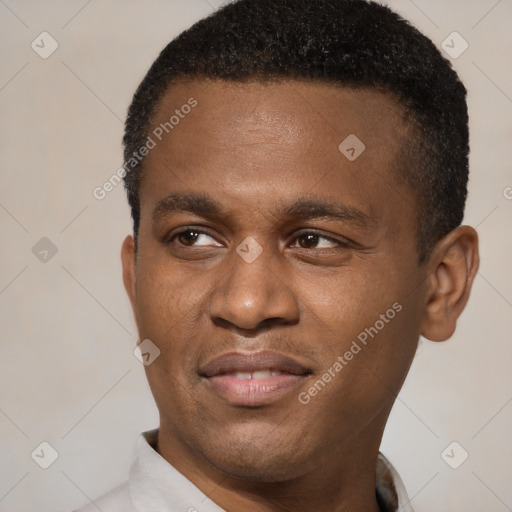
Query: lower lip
[[254, 392]]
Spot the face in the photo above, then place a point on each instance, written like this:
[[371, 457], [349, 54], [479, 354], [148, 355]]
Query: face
[[276, 273]]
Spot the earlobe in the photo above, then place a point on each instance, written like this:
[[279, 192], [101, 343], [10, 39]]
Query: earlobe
[[452, 266], [128, 262]]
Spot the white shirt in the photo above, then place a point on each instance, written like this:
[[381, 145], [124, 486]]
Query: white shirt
[[154, 485]]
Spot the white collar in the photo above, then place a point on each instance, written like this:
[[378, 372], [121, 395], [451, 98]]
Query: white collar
[[156, 485]]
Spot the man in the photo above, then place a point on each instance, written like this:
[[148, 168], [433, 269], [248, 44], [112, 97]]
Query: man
[[297, 174]]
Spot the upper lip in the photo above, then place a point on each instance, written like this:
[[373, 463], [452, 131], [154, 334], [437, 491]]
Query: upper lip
[[233, 362]]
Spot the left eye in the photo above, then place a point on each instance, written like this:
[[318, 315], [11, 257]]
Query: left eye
[[315, 241]]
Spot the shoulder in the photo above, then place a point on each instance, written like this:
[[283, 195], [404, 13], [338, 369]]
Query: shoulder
[[390, 490], [117, 500]]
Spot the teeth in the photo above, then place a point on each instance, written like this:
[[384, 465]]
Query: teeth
[[243, 376], [259, 374]]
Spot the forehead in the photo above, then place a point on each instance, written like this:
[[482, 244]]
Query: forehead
[[306, 108], [241, 142], [312, 122]]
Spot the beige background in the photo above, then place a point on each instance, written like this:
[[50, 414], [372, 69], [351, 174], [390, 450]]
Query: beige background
[[67, 372]]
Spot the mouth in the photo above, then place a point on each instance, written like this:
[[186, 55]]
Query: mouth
[[253, 379]]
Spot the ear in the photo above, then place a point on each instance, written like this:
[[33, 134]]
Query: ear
[[452, 267], [129, 274]]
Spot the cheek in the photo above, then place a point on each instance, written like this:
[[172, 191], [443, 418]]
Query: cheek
[[365, 329], [168, 310], [167, 315], [343, 304], [361, 376]]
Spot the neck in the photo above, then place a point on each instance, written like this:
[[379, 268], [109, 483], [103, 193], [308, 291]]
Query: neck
[[341, 480]]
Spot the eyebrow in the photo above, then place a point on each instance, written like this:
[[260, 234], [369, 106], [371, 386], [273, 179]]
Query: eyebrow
[[200, 204], [305, 208], [301, 209]]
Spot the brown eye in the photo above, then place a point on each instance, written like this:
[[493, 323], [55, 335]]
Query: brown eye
[[188, 237], [193, 237], [308, 241]]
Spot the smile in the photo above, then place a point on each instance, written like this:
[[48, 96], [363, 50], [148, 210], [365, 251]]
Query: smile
[[259, 374], [253, 379]]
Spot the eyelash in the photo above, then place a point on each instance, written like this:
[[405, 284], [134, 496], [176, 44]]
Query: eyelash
[[340, 243]]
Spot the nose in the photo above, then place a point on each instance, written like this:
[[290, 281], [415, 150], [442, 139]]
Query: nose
[[253, 295]]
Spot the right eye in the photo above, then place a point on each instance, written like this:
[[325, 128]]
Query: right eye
[[191, 237]]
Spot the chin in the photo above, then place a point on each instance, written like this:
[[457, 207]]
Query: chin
[[255, 469], [268, 456]]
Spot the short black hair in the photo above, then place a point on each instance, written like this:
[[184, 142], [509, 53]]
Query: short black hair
[[352, 43]]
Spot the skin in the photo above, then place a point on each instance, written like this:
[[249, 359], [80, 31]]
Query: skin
[[255, 149]]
